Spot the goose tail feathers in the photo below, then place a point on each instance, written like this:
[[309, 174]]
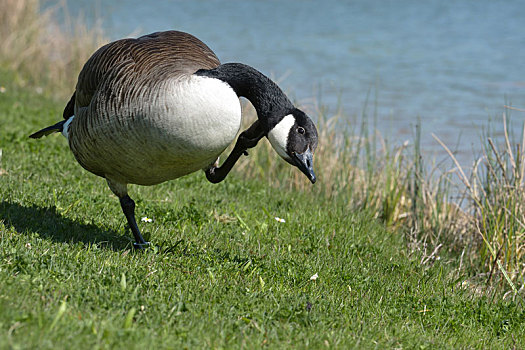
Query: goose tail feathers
[[61, 126], [58, 127]]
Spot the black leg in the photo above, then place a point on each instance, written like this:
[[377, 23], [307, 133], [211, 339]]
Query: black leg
[[247, 139], [128, 207]]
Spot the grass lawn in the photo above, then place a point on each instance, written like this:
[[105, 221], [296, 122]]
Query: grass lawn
[[222, 273]]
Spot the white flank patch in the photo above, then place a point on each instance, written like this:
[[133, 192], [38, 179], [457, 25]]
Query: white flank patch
[[278, 136], [65, 128]]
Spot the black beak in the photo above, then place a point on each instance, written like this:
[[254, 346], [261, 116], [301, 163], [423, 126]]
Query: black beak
[[305, 162]]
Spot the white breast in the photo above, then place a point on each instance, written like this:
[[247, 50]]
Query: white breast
[[202, 114]]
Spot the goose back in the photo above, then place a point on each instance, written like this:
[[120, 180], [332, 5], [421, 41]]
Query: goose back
[[152, 57]]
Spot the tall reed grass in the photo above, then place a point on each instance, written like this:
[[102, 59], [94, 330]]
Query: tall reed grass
[[46, 54], [355, 165], [495, 190]]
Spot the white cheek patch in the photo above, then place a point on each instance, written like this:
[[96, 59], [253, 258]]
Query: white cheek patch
[[278, 136], [65, 127]]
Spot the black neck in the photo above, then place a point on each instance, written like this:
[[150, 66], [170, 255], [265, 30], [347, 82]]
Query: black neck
[[268, 99]]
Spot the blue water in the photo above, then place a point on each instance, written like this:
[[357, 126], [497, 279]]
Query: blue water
[[454, 64]]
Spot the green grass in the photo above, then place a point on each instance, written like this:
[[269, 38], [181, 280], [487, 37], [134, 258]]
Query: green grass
[[223, 273], [357, 167]]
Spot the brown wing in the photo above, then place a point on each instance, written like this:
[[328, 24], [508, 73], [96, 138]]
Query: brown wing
[[152, 57]]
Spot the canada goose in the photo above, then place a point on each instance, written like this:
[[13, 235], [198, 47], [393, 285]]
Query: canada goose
[[161, 106]]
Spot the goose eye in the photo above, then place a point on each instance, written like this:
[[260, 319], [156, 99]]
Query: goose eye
[[300, 130]]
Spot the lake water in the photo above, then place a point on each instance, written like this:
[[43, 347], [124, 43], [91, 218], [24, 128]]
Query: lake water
[[454, 64]]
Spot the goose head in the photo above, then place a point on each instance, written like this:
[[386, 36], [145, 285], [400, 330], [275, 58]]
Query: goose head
[[294, 138]]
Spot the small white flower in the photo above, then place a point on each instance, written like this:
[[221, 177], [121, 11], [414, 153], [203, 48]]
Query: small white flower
[[28, 245], [280, 220], [314, 277], [146, 219], [2, 89]]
